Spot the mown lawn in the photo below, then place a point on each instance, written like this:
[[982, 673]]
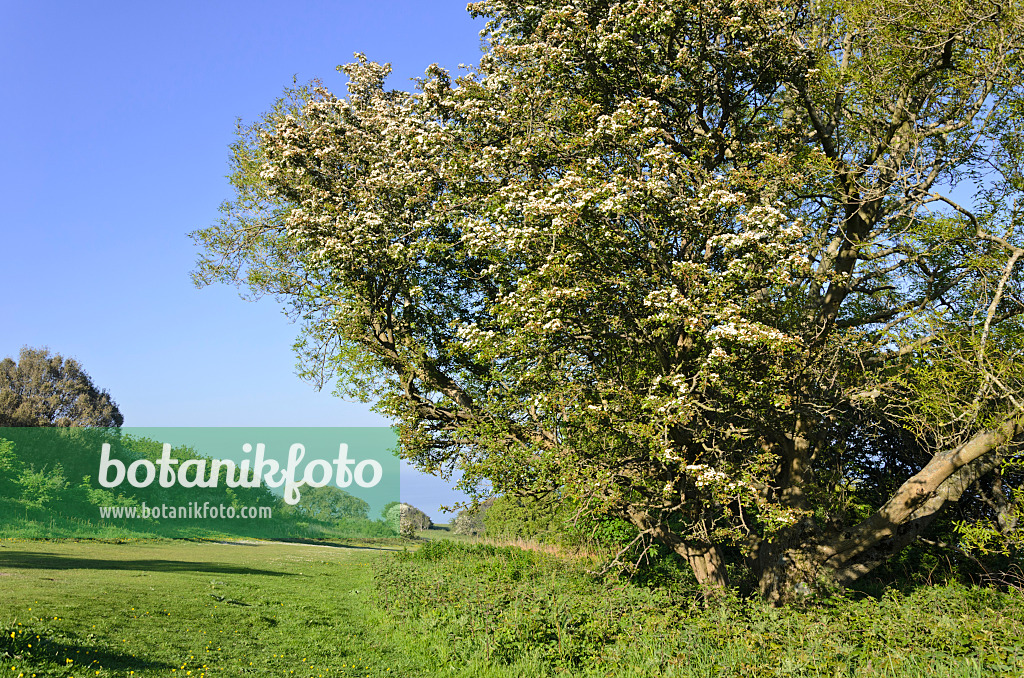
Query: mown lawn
[[179, 608]]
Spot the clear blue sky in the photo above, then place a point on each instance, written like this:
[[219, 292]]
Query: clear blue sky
[[115, 128]]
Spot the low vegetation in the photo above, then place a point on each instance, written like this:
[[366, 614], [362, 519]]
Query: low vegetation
[[203, 609], [497, 608]]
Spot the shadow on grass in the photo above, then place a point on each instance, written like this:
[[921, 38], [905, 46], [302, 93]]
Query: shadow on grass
[[398, 542], [46, 651], [30, 560]]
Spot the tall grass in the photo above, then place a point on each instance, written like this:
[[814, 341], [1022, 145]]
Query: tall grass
[[528, 613]]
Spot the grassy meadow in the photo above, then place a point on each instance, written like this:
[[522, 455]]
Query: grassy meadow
[[181, 608], [449, 608]]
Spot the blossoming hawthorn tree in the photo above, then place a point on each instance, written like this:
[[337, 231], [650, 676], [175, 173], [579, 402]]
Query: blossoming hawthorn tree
[[693, 264]]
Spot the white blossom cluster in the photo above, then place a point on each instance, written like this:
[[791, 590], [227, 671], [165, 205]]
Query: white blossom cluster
[[625, 283]]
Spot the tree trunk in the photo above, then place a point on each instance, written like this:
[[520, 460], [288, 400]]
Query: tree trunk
[[707, 563], [916, 504], [793, 577], [798, 564], [705, 559]]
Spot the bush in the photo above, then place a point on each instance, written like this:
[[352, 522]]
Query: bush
[[471, 522], [329, 503], [550, 519], [43, 488], [406, 519]]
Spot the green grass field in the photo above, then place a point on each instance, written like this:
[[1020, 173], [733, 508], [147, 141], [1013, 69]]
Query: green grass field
[[179, 608], [198, 609]]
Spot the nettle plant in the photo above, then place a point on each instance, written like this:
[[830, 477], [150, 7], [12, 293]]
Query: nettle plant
[[685, 264]]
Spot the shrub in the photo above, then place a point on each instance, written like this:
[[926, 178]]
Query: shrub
[[407, 519]]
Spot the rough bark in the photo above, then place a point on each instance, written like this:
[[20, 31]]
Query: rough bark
[[943, 480], [707, 562], [949, 492], [705, 558], [798, 562]]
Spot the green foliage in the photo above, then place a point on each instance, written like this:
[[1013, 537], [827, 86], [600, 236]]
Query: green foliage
[[49, 390], [550, 519], [985, 538], [44, 487], [998, 531], [386, 511], [499, 602], [689, 264], [11, 468], [451, 611], [505, 606], [329, 503], [539, 519]]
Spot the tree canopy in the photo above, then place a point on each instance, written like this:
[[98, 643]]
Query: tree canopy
[[744, 274], [330, 503], [49, 390]]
